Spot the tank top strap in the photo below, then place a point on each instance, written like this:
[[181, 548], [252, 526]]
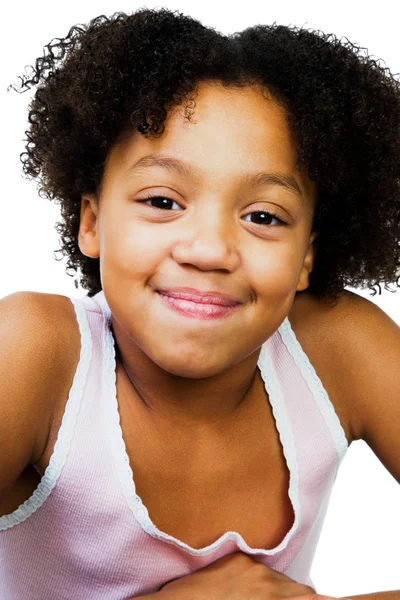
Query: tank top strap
[[313, 440], [98, 301], [314, 383]]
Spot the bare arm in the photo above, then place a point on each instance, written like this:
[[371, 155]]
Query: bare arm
[[390, 595], [30, 348]]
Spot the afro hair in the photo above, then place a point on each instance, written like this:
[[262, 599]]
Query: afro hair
[[124, 73]]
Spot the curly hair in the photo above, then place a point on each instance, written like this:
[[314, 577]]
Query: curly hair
[[124, 73]]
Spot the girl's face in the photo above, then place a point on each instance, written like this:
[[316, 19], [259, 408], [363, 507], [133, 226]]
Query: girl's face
[[208, 231]]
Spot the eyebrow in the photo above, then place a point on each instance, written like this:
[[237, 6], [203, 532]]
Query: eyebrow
[[187, 170]]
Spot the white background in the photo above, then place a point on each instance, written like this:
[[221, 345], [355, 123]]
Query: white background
[[359, 546]]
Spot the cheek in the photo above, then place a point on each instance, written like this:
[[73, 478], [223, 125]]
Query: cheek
[[274, 269], [132, 247]]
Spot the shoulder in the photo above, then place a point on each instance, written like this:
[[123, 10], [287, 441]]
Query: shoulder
[[356, 345], [48, 318], [43, 343], [324, 331]]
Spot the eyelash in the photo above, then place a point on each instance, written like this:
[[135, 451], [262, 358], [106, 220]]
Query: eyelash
[[269, 213]]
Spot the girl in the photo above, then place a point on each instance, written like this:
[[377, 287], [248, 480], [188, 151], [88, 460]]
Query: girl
[[176, 433]]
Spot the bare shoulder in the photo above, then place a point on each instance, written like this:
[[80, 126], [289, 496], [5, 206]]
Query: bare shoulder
[[41, 349], [364, 342], [67, 345], [328, 334], [68, 355]]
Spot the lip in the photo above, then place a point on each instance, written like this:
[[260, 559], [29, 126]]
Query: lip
[[199, 297], [197, 310]]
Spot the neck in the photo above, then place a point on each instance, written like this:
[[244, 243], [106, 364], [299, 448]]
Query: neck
[[207, 404]]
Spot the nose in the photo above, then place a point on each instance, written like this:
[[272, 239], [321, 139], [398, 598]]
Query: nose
[[208, 243]]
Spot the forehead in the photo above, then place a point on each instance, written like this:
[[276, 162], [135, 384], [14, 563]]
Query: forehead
[[230, 131], [243, 115]]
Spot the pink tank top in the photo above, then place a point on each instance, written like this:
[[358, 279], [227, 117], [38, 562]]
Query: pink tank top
[[85, 534]]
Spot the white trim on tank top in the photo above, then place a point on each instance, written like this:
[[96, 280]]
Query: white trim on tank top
[[125, 473], [282, 422], [316, 387]]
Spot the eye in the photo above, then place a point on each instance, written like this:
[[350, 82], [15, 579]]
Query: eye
[[266, 216], [162, 200], [263, 215]]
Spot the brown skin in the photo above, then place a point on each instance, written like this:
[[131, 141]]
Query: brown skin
[[236, 576], [354, 334], [190, 374]]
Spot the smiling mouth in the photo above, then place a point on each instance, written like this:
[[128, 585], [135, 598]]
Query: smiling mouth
[[197, 310], [200, 297]]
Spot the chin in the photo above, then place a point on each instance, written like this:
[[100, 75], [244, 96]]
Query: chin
[[191, 368]]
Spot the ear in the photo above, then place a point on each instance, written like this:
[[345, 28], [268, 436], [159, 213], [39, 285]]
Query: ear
[[308, 263], [88, 236]]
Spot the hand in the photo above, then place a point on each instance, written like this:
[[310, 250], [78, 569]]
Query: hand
[[236, 577]]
